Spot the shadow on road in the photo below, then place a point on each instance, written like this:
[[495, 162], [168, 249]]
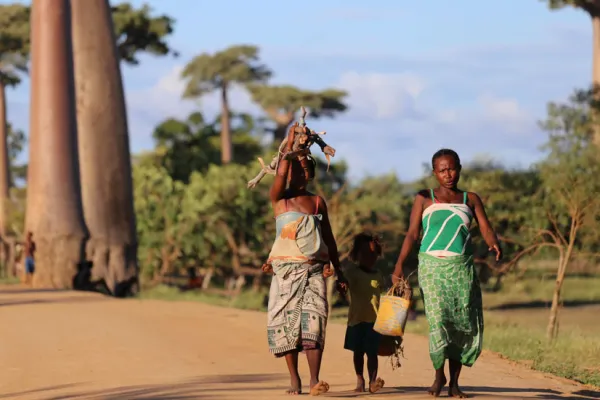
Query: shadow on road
[[69, 299], [208, 387], [215, 387]]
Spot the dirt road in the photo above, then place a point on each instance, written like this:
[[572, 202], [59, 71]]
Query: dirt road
[[69, 345]]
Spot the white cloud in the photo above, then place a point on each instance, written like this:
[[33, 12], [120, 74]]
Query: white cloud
[[404, 118], [507, 112], [382, 96], [149, 106]]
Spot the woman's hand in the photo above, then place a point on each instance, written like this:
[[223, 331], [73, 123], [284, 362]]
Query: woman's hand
[[341, 283], [496, 248], [327, 271]]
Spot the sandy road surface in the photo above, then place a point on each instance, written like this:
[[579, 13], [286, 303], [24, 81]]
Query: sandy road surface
[[68, 345]]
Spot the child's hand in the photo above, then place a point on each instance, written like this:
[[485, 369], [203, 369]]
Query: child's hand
[[341, 283], [342, 287], [267, 268]]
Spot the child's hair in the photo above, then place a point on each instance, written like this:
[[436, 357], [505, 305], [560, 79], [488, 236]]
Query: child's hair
[[360, 240]]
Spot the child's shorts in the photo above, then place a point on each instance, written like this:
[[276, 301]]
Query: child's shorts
[[362, 338]]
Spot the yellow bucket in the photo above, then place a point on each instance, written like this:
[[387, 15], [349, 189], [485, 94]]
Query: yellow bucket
[[392, 314]]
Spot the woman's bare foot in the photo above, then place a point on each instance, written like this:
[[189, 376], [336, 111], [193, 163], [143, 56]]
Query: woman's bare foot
[[295, 387], [454, 391], [437, 387], [360, 385], [319, 388], [377, 385]]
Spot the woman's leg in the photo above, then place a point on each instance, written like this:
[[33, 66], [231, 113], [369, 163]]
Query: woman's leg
[[291, 359], [438, 383], [359, 368], [314, 357], [453, 388]]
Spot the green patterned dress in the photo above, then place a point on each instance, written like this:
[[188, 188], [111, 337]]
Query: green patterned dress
[[449, 284]]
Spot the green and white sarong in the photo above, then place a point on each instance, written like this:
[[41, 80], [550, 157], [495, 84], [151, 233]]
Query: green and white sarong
[[453, 307]]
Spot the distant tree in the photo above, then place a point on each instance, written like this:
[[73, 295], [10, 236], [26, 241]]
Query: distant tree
[[568, 201], [16, 143], [281, 103], [207, 73], [193, 144], [592, 8], [137, 30], [14, 52]]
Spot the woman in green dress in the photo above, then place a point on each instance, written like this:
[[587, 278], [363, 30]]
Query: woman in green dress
[[447, 277]]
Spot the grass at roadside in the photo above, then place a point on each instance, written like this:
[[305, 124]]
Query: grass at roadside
[[10, 280], [246, 300], [539, 288]]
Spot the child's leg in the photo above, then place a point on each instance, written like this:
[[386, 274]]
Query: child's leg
[[372, 346], [372, 367], [359, 368]]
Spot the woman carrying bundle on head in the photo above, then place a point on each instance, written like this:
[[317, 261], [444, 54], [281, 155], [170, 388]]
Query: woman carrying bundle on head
[[447, 277], [299, 259]]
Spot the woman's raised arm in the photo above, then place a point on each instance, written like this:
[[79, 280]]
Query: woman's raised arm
[[281, 176]]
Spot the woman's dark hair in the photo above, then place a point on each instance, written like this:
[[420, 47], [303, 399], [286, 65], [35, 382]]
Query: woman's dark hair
[[360, 240], [445, 152]]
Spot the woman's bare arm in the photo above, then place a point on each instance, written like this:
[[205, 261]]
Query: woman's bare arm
[[412, 236], [281, 176], [329, 239], [484, 225]]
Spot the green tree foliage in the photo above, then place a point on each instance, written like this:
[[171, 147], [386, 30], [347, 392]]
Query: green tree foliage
[[16, 143], [207, 73], [281, 103], [137, 30], [193, 144], [590, 6], [566, 205], [163, 231], [14, 43]]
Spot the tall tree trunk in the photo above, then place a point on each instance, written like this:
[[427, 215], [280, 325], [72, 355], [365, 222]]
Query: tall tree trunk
[[4, 164], [105, 160], [563, 263], [596, 69], [226, 140], [54, 199], [553, 319]]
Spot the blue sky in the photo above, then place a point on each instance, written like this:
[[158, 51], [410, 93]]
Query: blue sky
[[471, 75]]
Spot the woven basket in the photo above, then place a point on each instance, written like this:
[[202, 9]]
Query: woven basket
[[393, 310]]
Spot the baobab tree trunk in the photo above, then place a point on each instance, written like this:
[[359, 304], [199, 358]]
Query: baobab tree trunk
[[226, 140], [54, 199], [105, 160], [4, 164]]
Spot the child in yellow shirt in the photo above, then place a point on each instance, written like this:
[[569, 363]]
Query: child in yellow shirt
[[365, 284]]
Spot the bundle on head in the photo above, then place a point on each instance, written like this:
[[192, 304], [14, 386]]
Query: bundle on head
[[304, 138]]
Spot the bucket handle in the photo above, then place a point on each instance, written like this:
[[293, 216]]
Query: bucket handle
[[403, 281]]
